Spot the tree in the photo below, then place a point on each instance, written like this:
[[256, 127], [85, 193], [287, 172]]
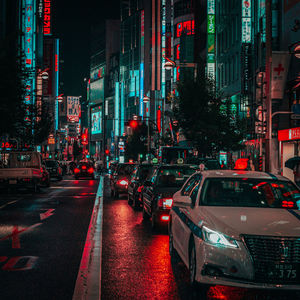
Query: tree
[[206, 121]]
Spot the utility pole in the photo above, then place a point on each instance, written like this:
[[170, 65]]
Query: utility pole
[[268, 103]]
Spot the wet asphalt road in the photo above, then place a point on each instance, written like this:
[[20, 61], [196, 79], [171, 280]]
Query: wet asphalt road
[[42, 236], [136, 262]]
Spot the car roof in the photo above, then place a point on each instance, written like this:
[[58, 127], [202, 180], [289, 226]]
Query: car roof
[[241, 174]]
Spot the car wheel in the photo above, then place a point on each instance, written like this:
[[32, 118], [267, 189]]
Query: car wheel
[[173, 253], [48, 182], [129, 199], [116, 194], [145, 215], [154, 224], [135, 203], [192, 265]]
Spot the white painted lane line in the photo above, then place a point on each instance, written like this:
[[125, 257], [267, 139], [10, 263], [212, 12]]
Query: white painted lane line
[[88, 283], [8, 203]]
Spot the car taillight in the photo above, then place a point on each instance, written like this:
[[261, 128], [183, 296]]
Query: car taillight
[[165, 218], [83, 167], [76, 170], [165, 202], [288, 204], [139, 190], [122, 182], [91, 170], [42, 171]]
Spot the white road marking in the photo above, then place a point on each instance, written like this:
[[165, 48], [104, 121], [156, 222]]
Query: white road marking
[[8, 203], [88, 283]]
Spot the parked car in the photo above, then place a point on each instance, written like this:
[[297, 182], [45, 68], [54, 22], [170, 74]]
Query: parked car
[[21, 169], [54, 169], [84, 169], [120, 179], [238, 228], [158, 191], [136, 184]]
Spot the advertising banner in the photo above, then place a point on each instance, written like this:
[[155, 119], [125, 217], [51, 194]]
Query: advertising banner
[[280, 65], [73, 109], [96, 122]]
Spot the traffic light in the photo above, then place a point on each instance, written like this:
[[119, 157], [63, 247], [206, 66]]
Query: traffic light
[[106, 152], [133, 124]]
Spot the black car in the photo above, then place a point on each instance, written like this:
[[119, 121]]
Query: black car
[[158, 191], [45, 176], [120, 179], [136, 184], [84, 169], [54, 169]]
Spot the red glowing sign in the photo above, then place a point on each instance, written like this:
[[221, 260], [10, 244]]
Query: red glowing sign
[[47, 17], [187, 27], [289, 134], [158, 119]]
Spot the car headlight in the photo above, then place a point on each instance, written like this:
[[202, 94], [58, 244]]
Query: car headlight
[[218, 239]]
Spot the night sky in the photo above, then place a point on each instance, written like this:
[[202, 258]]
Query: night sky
[[72, 21]]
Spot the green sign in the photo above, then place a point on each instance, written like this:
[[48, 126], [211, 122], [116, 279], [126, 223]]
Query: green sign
[[211, 24], [155, 160]]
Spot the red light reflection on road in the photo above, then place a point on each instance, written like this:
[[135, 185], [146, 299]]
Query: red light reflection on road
[[220, 292]]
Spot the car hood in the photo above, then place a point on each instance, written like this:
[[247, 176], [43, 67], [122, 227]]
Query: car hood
[[235, 221]]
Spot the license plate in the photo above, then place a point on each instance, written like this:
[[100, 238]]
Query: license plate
[[12, 181], [284, 272]]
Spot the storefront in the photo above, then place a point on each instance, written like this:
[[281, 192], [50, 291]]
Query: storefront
[[289, 146]]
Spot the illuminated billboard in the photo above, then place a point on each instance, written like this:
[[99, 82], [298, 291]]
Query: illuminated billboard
[[47, 17], [246, 21], [73, 109], [28, 47], [96, 120], [211, 30]]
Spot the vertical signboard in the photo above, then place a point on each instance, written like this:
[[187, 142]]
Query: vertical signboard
[[73, 109], [47, 17], [28, 47], [246, 21], [141, 103], [56, 81], [96, 120], [117, 109], [211, 64]]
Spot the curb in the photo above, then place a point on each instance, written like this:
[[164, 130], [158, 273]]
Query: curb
[[88, 282]]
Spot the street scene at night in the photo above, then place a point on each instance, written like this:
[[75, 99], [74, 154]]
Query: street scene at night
[[150, 149]]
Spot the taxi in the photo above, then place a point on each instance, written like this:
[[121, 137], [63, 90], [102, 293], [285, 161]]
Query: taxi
[[238, 228]]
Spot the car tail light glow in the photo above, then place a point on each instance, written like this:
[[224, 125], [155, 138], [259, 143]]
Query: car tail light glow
[[123, 182], [165, 202], [139, 190], [83, 167], [165, 218], [76, 170], [91, 170], [288, 204]]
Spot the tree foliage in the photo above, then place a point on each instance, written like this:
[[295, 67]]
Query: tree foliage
[[206, 121]]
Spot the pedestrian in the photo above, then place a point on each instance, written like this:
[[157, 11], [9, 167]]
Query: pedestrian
[[296, 172], [223, 165]]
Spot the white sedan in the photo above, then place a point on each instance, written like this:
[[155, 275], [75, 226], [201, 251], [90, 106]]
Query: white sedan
[[238, 228]]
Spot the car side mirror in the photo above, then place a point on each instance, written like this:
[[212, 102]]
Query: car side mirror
[[182, 201]]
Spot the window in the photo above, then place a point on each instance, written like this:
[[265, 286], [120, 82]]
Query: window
[[195, 188]]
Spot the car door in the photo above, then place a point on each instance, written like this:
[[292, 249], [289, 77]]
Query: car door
[[132, 183], [182, 229]]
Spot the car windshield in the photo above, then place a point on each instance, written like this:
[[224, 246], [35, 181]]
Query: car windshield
[[248, 192], [210, 164], [88, 165], [51, 163], [174, 177]]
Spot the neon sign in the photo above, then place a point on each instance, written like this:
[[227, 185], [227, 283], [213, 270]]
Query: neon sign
[[187, 27], [47, 17], [211, 65], [28, 47]]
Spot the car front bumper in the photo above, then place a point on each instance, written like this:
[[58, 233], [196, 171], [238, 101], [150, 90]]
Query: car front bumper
[[232, 267]]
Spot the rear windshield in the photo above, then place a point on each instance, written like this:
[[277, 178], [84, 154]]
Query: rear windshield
[[51, 163], [125, 169], [23, 160], [144, 171], [174, 177], [250, 193]]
